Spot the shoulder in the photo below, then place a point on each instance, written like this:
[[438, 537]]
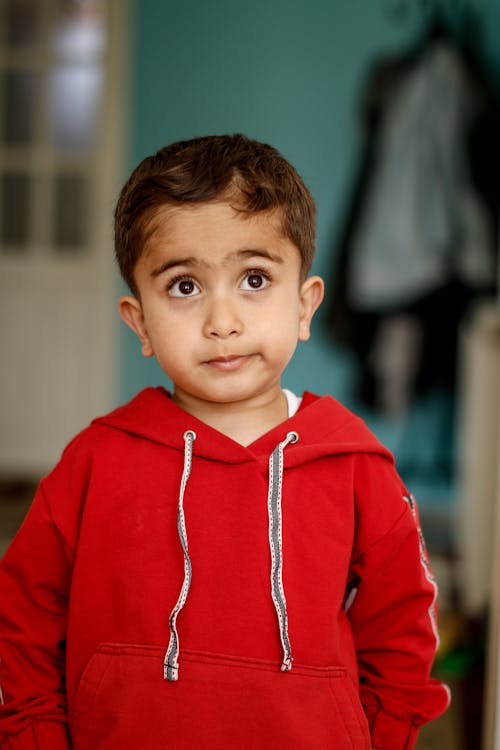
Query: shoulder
[[119, 424], [104, 440], [339, 428]]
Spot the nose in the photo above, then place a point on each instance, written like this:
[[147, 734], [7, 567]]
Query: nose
[[222, 318]]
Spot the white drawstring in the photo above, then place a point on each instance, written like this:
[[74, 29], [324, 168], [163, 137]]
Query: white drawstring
[[276, 544], [171, 664]]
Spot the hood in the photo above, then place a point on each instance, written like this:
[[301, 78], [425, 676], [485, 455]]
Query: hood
[[323, 425]]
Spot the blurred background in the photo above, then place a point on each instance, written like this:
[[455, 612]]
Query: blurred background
[[389, 109]]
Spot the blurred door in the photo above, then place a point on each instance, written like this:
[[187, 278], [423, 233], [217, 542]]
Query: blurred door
[[60, 125]]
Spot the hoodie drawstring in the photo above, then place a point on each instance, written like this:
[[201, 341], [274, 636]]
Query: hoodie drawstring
[[276, 544], [171, 664]]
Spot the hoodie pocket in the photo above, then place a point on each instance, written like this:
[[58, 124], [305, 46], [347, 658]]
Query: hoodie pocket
[[218, 703]]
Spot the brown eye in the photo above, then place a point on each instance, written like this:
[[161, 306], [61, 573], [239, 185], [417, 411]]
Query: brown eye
[[255, 280], [186, 287], [183, 288]]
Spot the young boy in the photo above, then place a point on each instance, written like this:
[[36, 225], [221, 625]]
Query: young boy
[[226, 565]]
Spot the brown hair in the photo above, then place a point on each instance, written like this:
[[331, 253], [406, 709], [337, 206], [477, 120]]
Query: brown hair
[[206, 169]]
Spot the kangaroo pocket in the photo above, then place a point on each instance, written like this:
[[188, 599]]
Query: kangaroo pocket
[[218, 702]]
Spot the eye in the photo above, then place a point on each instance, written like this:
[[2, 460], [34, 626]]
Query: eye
[[255, 280], [183, 287]]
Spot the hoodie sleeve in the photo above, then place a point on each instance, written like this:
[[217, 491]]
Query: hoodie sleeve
[[393, 615], [34, 584]]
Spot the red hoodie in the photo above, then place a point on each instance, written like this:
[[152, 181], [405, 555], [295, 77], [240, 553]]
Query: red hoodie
[[285, 585]]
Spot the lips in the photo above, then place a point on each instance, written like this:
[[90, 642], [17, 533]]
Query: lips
[[230, 363]]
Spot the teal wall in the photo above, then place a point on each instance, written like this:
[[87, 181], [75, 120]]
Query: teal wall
[[287, 72]]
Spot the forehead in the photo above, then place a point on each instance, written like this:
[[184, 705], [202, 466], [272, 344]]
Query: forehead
[[216, 233]]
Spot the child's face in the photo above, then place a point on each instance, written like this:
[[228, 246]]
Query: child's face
[[221, 304]]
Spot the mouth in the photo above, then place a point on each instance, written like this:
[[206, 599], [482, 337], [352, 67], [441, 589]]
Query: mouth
[[230, 363]]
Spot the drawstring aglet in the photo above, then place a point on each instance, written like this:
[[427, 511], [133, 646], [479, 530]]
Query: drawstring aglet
[[170, 672], [287, 664]]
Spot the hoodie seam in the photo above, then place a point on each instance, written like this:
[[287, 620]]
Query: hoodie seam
[[379, 540], [69, 549]]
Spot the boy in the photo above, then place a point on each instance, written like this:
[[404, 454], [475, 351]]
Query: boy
[[225, 566]]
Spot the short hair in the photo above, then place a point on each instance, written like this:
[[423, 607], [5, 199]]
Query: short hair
[[254, 175]]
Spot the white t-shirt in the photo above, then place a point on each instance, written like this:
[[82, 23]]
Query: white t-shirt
[[293, 402]]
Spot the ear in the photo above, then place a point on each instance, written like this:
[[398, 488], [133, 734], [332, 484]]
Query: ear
[[131, 313], [311, 296]]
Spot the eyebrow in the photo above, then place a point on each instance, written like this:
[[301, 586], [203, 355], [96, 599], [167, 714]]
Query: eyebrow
[[237, 254]]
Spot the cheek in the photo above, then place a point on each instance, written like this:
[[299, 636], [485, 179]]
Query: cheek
[[282, 333], [173, 337], [162, 325]]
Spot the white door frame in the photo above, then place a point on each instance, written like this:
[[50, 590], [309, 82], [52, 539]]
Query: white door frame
[[58, 324]]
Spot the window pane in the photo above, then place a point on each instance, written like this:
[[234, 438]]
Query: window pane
[[19, 95], [70, 212], [22, 21], [15, 210], [79, 32], [74, 107]]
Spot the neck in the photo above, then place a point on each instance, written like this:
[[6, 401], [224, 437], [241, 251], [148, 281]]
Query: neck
[[242, 421]]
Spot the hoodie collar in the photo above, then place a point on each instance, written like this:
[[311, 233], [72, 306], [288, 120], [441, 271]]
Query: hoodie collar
[[324, 425]]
